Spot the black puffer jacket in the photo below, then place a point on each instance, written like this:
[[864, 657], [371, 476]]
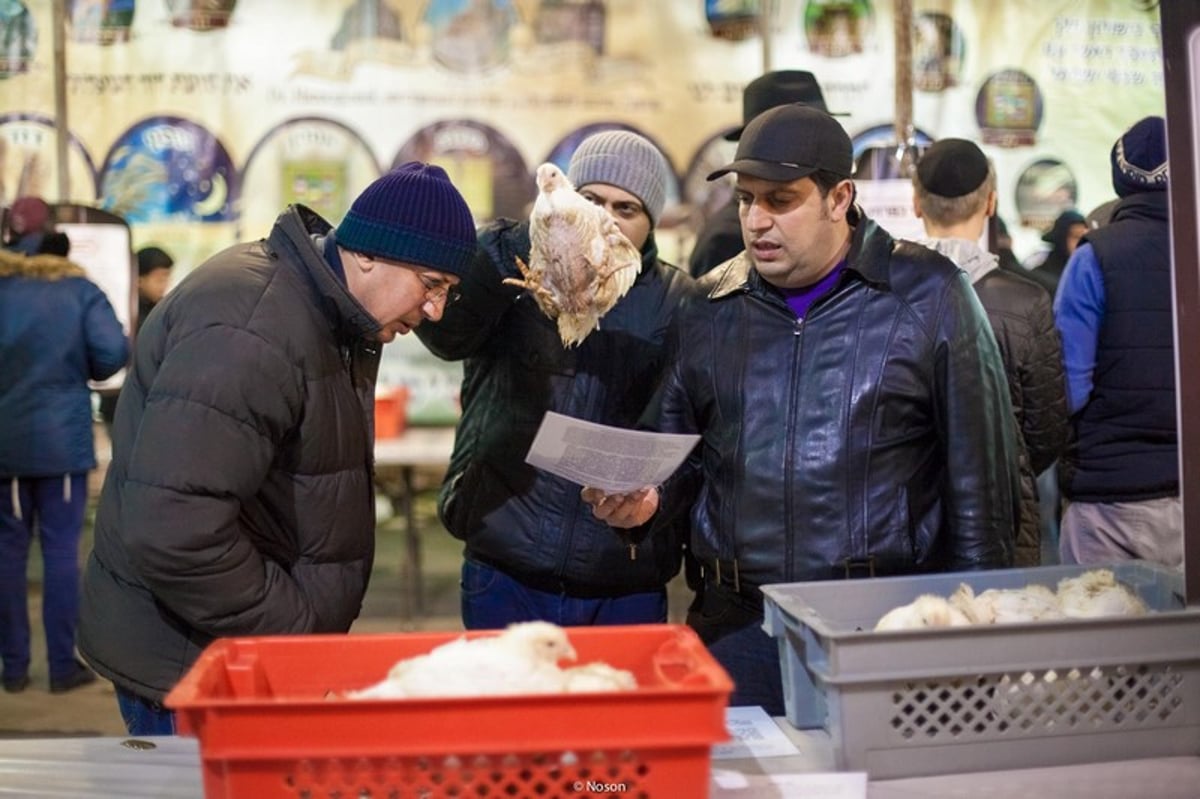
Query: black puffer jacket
[[239, 500], [511, 516], [874, 436]]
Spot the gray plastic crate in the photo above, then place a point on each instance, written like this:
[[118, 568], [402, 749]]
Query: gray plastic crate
[[945, 700]]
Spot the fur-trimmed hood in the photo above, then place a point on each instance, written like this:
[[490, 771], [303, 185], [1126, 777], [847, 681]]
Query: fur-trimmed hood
[[38, 267]]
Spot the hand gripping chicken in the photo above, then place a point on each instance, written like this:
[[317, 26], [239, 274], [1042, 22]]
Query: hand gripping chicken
[[580, 263]]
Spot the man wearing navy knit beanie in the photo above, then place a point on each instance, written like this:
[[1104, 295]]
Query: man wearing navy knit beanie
[[1115, 310], [239, 500], [532, 549]]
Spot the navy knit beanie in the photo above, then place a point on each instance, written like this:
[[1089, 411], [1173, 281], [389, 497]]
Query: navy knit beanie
[[1139, 158], [415, 215]]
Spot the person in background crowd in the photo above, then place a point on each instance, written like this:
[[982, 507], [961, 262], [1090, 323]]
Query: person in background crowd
[[28, 223], [1007, 259], [1047, 267], [1115, 310], [721, 237], [57, 332], [240, 498], [154, 275], [532, 549], [852, 403], [954, 193]]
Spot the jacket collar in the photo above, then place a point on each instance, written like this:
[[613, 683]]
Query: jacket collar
[[298, 233], [38, 267], [1143, 205], [869, 256]]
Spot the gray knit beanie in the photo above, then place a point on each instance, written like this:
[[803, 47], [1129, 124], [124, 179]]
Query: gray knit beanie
[[413, 214], [627, 161]]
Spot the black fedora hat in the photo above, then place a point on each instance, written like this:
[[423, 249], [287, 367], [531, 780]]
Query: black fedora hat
[[772, 89]]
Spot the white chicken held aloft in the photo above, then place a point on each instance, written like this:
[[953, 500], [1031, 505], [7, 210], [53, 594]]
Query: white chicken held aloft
[[927, 610], [580, 263], [1006, 605], [523, 659], [1097, 593]]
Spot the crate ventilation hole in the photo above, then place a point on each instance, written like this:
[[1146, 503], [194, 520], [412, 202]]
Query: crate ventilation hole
[[1001, 705], [525, 776]]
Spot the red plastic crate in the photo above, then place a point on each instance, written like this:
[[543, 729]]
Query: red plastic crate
[[266, 728]]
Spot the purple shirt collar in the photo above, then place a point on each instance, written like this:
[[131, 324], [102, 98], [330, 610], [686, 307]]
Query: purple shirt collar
[[801, 299]]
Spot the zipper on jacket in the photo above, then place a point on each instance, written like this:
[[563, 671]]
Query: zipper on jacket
[[789, 458]]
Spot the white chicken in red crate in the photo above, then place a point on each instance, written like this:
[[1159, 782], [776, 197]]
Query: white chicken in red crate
[[521, 659], [580, 263]]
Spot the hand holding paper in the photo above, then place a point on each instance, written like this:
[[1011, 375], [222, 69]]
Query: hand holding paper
[[631, 509]]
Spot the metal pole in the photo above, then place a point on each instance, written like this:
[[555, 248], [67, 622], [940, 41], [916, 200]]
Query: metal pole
[[906, 150], [765, 13], [61, 129], [1180, 23]]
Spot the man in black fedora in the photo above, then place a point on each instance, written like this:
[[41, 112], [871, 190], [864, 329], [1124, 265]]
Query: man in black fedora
[[721, 237]]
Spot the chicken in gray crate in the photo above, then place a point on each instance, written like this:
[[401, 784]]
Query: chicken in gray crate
[[977, 696]]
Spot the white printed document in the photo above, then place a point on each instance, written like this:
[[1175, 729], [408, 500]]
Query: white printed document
[[610, 458]]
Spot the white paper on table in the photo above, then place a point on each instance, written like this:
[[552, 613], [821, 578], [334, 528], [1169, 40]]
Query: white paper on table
[[754, 734], [610, 458]]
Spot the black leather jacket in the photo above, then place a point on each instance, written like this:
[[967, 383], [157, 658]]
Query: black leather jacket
[[873, 437]]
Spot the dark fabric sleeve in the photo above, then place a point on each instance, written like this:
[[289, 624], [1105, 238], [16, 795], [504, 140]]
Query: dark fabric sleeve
[[107, 344], [468, 324], [670, 411], [1044, 389], [977, 434]]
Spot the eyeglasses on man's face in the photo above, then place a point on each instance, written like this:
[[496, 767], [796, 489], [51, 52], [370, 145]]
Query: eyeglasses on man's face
[[437, 290]]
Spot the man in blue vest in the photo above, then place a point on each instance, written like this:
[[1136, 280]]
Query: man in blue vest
[[1114, 308]]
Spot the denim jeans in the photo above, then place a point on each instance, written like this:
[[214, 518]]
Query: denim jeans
[[731, 627], [492, 600], [53, 507], [144, 717]]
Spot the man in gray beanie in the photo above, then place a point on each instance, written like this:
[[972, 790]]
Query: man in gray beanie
[[1114, 308], [532, 549], [239, 500]]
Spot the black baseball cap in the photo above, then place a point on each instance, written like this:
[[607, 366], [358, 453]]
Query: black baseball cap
[[790, 142]]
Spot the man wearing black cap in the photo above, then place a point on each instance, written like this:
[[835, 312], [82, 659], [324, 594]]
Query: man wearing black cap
[[954, 193], [239, 499], [853, 408], [1120, 473], [1063, 237], [721, 237]]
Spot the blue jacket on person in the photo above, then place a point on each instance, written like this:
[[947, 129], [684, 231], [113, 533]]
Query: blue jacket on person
[[57, 331]]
